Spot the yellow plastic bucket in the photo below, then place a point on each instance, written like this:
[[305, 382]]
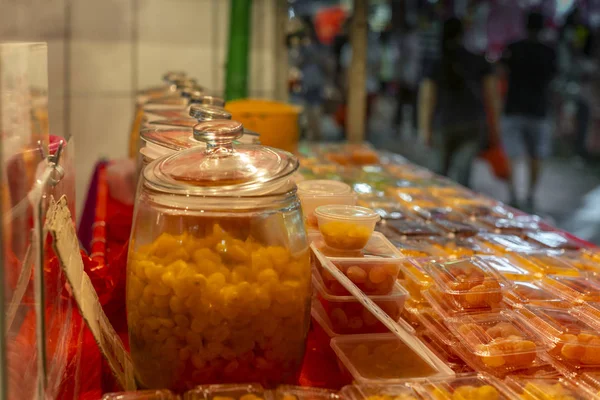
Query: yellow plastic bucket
[[277, 123]]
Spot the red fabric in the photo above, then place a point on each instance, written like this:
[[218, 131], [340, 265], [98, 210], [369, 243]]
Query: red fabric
[[498, 161]]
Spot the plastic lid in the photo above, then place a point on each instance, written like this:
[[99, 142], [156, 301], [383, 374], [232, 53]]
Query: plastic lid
[[533, 388], [464, 276], [510, 243], [412, 227], [523, 293], [545, 264], [229, 391], [221, 168], [323, 187], [574, 288], [506, 268], [347, 213], [555, 240], [467, 386], [363, 392]]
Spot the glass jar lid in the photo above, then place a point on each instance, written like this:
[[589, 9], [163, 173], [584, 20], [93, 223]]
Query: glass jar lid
[[222, 168]]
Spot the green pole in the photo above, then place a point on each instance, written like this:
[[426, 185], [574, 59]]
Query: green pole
[[238, 52]]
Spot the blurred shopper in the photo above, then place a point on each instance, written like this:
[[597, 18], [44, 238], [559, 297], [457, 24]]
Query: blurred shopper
[[531, 66], [459, 86]]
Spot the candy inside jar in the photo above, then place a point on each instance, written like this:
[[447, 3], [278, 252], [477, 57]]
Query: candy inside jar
[[218, 287]]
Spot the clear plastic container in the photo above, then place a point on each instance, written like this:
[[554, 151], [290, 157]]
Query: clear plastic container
[[464, 387], [249, 391], [417, 249], [445, 353], [580, 260], [386, 207], [457, 247], [348, 316], [545, 389], [218, 272], [434, 324], [411, 228], [592, 381], [141, 395], [363, 392], [574, 339], [500, 340], [506, 268], [503, 244], [468, 283], [374, 276], [575, 289], [515, 225], [320, 192], [533, 294], [554, 240], [346, 227], [377, 246], [416, 278], [448, 220], [446, 308], [381, 359], [286, 392], [544, 264]]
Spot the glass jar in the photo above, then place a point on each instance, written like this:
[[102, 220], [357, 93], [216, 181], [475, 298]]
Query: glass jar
[[218, 272]]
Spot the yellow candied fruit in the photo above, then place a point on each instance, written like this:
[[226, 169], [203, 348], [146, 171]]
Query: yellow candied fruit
[[546, 391], [345, 235], [467, 392], [402, 396], [216, 309]]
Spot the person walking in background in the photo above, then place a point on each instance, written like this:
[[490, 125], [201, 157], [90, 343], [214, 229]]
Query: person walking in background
[[531, 65], [460, 85]]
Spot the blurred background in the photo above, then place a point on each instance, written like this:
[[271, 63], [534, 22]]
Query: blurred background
[[446, 80]]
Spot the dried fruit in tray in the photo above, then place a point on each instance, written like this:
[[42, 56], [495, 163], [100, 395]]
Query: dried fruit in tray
[[531, 293], [468, 283], [528, 388], [381, 359], [410, 227], [544, 263], [507, 243], [348, 316], [374, 276], [574, 339], [458, 247], [499, 340], [446, 308], [576, 289], [464, 387], [416, 278]]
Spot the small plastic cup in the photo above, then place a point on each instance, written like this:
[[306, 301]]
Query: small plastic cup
[[319, 192], [346, 228]]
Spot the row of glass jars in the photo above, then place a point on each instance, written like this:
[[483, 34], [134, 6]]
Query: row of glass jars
[[218, 273]]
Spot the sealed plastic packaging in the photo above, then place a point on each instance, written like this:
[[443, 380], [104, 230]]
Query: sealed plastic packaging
[[543, 264], [457, 247], [445, 353], [374, 276], [468, 283], [315, 193], [520, 224], [218, 274], [554, 240], [229, 392], [408, 228], [348, 316], [142, 395], [386, 207], [381, 359], [464, 387], [592, 382], [434, 324], [574, 339], [286, 392], [503, 244], [533, 294], [416, 279], [575, 289], [507, 268], [344, 227], [500, 340], [363, 392], [531, 388]]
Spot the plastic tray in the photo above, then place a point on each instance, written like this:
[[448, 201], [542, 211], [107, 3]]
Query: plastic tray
[[543, 264], [445, 353], [409, 227], [507, 243], [348, 316], [446, 308], [141, 395], [468, 386], [457, 247], [362, 392], [286, 392], [545, 388], [416, 279], [514, 225], [574, 339], [374, 276], [533, 294], [554, 240], [576, 290], [435, 326], [250, 391], [468, 283], [381, 359], [377, 246], [500, 340], [507, 268]]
